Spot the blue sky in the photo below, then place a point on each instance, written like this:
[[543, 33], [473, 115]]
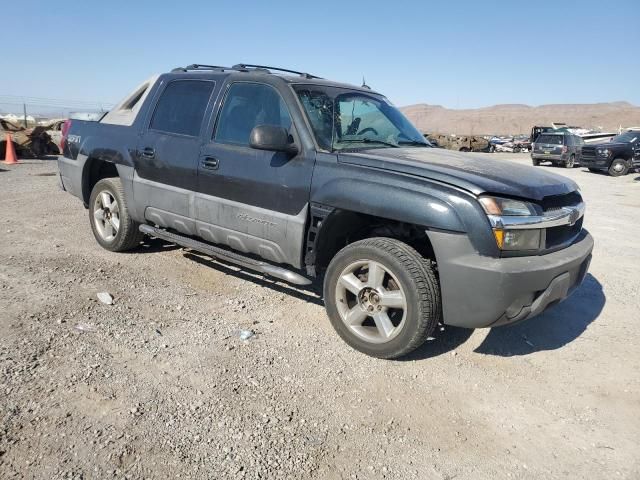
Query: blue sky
[[463, 54]]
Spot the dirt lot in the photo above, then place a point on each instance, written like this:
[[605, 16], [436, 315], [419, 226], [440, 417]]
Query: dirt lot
[[159, 385]]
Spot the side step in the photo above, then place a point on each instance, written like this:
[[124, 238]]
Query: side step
[[231, 257]]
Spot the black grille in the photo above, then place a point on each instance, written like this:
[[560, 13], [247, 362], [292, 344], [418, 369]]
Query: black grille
[[554, 202], [557, 236], [588, 153]]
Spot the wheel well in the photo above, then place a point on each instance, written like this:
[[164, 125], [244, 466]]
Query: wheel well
[[94, 171], [343, 227]]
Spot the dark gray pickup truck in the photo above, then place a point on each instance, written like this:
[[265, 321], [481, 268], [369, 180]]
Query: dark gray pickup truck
[[298, 177]]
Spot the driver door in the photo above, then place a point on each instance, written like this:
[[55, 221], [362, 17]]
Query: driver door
[[255, 201]]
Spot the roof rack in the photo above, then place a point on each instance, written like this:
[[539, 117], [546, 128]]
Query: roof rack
[[241, 67], [198, 66], [247, 66]]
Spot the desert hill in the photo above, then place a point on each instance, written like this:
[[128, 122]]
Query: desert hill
[[515, 118]]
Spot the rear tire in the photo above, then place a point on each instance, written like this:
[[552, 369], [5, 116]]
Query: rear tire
[[618, 167], [111, 223], [382, 297]]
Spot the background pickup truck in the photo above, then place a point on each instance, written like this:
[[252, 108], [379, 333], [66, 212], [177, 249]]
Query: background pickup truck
[[299, 177], [617, 157]]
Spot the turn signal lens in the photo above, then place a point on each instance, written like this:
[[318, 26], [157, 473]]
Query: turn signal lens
[[499, 234]]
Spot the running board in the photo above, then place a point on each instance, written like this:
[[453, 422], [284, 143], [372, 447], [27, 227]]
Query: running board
[[225, 255]]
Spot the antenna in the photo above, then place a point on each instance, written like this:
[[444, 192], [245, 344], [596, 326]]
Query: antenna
[[364, 83]]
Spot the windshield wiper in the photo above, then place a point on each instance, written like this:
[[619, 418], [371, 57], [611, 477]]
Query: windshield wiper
[[413, 142], [368, 140]]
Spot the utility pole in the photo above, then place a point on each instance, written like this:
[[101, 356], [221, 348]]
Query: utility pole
[[24, 110]]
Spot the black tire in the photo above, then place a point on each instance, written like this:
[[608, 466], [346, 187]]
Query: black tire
[[517, 150], [618, 167], [536, 162], [415, 276], [465, 149], [571, 162], [128, 235]]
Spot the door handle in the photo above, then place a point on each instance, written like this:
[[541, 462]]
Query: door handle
[[148, 152], [210, 163]]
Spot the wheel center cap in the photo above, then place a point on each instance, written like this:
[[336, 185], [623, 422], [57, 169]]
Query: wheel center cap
[[369, 298]]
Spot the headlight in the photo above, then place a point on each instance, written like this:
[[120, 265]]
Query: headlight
[[507, 207], [603, 152], [516, 239]]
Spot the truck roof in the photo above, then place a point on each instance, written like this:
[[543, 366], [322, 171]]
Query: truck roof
[[252, 71], [126, 111]]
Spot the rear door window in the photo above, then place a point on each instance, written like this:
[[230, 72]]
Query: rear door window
[[181, 107], [246, 106]]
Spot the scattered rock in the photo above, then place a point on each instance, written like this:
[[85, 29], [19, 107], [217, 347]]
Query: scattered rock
[[106, 298]]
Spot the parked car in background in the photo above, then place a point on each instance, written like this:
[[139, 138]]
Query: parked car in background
[[459, 143], [617, 157], [561, 149]]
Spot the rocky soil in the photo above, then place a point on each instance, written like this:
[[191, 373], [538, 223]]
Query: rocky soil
[[160, 384]]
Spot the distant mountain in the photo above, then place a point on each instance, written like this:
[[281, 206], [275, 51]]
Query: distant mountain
[[514, 118]]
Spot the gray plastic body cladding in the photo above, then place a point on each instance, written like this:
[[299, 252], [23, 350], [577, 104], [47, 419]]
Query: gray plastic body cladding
[[480, 291], [275, 236], [402, 197], [71, 174]]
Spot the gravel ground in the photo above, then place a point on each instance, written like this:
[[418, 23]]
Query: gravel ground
[[160, 385]]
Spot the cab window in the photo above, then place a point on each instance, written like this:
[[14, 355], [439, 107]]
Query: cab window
[[181, 107], [246, 106]]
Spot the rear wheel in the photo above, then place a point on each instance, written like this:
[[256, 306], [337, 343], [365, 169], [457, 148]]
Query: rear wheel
[[382, 297], [111, 223]]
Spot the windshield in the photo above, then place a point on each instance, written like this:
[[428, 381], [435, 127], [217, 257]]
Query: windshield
[[344, 119], [626, 137]]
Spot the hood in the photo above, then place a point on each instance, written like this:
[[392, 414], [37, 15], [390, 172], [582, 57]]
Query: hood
[[607, 145], [467, 171]]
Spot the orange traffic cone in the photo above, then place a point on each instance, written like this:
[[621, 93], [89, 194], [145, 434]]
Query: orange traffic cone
[[10, 155]]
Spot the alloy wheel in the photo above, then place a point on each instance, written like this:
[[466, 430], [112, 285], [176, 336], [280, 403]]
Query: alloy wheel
[[371, 301], [106, 214]]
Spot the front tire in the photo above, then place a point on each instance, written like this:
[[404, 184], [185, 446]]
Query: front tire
[[536, 163], [618, 168], [571, 162], [111, 223], [382, 297]]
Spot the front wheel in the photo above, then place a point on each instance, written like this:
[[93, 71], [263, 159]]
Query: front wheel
[[111, 223], [382, 297], [535, 162], [618, 168], [571, 162]]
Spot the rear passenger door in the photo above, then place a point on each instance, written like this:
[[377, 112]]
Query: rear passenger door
[[255, 201], [166, 159]]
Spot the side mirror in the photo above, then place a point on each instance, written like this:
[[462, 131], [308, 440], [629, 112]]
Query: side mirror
[[270, 137]]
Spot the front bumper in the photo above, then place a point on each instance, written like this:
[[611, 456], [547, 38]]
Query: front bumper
[[482, 291], [595, 162]]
